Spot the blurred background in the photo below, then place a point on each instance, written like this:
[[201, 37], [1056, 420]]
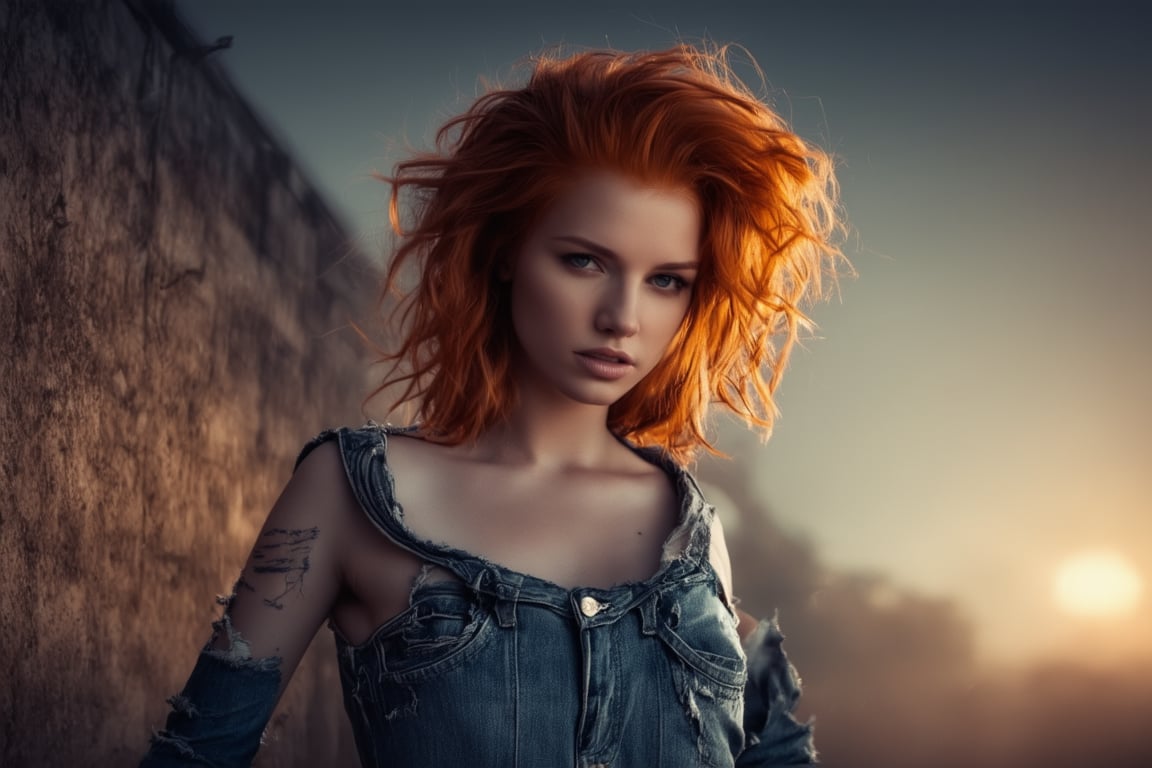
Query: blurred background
[[953, 518]]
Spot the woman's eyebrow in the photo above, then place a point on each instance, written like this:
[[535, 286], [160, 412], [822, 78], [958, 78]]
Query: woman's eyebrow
[[600, 250]]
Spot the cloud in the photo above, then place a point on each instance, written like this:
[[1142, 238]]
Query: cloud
[[891, 676]]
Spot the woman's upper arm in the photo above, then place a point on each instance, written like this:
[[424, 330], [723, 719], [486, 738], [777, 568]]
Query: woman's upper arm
[[293, 574], [722, 564], [718, 557], [287, 588]]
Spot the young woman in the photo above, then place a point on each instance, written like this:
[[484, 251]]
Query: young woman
[[528, 576]]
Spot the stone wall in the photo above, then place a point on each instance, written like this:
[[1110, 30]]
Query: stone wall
[[174, 308]]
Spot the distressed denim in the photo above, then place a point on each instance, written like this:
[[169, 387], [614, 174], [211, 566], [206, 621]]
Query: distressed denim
[[498, 668], [218, 718]]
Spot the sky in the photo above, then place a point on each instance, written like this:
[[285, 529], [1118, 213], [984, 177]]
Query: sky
[[974, 407]]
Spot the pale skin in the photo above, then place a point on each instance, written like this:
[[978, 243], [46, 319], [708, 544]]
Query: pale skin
[[549, 492]]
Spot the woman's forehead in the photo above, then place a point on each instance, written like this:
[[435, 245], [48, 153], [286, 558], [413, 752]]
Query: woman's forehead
[[617, 212]]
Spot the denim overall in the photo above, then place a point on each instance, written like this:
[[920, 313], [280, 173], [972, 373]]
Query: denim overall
[[510, 670], [492, 668]]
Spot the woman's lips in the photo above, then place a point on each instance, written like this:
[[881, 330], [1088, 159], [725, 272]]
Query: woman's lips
[[606, 365], [609, 354]]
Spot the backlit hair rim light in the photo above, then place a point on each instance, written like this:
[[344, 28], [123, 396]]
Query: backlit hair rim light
[[678, 117]]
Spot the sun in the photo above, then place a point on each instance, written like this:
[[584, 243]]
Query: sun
[[1097, 584]]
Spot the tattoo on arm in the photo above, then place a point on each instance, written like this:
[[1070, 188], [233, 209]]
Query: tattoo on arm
[[285, 551]]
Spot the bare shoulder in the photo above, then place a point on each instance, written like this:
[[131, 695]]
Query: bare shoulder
[[374, 573], [406, 448], [418, 465], [321, 481], [319, 489]]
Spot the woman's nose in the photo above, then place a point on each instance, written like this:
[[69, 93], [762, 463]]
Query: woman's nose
[[618, 313]]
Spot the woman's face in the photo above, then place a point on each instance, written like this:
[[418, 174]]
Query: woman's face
[[601, 285]]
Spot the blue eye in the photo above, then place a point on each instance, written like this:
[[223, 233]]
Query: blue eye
[[673, 283], [579, 260]]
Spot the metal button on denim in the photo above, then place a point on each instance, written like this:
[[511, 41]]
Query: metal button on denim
[[590, 606]]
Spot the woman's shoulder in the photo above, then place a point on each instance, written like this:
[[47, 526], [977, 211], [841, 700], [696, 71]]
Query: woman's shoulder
[[367, 460], [321, 473], [370, 436]]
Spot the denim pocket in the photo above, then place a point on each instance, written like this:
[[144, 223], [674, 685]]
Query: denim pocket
[[444, 627], [708, 670], [700, 631]]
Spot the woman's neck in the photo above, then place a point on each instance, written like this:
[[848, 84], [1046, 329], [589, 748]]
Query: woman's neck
[[553, 433]]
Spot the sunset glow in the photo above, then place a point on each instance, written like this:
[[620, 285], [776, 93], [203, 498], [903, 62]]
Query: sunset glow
[[1097, 584]]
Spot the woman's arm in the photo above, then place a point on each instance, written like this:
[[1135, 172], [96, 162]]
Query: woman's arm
[[772, 736], [287, 588]]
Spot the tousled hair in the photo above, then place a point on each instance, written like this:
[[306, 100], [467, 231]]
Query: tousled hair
[[678, 117]]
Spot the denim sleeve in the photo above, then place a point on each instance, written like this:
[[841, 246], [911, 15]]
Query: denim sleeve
[[773, 737], [219, 717]]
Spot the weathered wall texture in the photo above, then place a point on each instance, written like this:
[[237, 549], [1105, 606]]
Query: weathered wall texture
[[174, 301]]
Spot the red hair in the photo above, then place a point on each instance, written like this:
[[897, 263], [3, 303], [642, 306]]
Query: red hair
[[678, 117]]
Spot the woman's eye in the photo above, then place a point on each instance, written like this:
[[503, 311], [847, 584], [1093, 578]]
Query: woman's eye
[[579, 260], [669, 282]]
